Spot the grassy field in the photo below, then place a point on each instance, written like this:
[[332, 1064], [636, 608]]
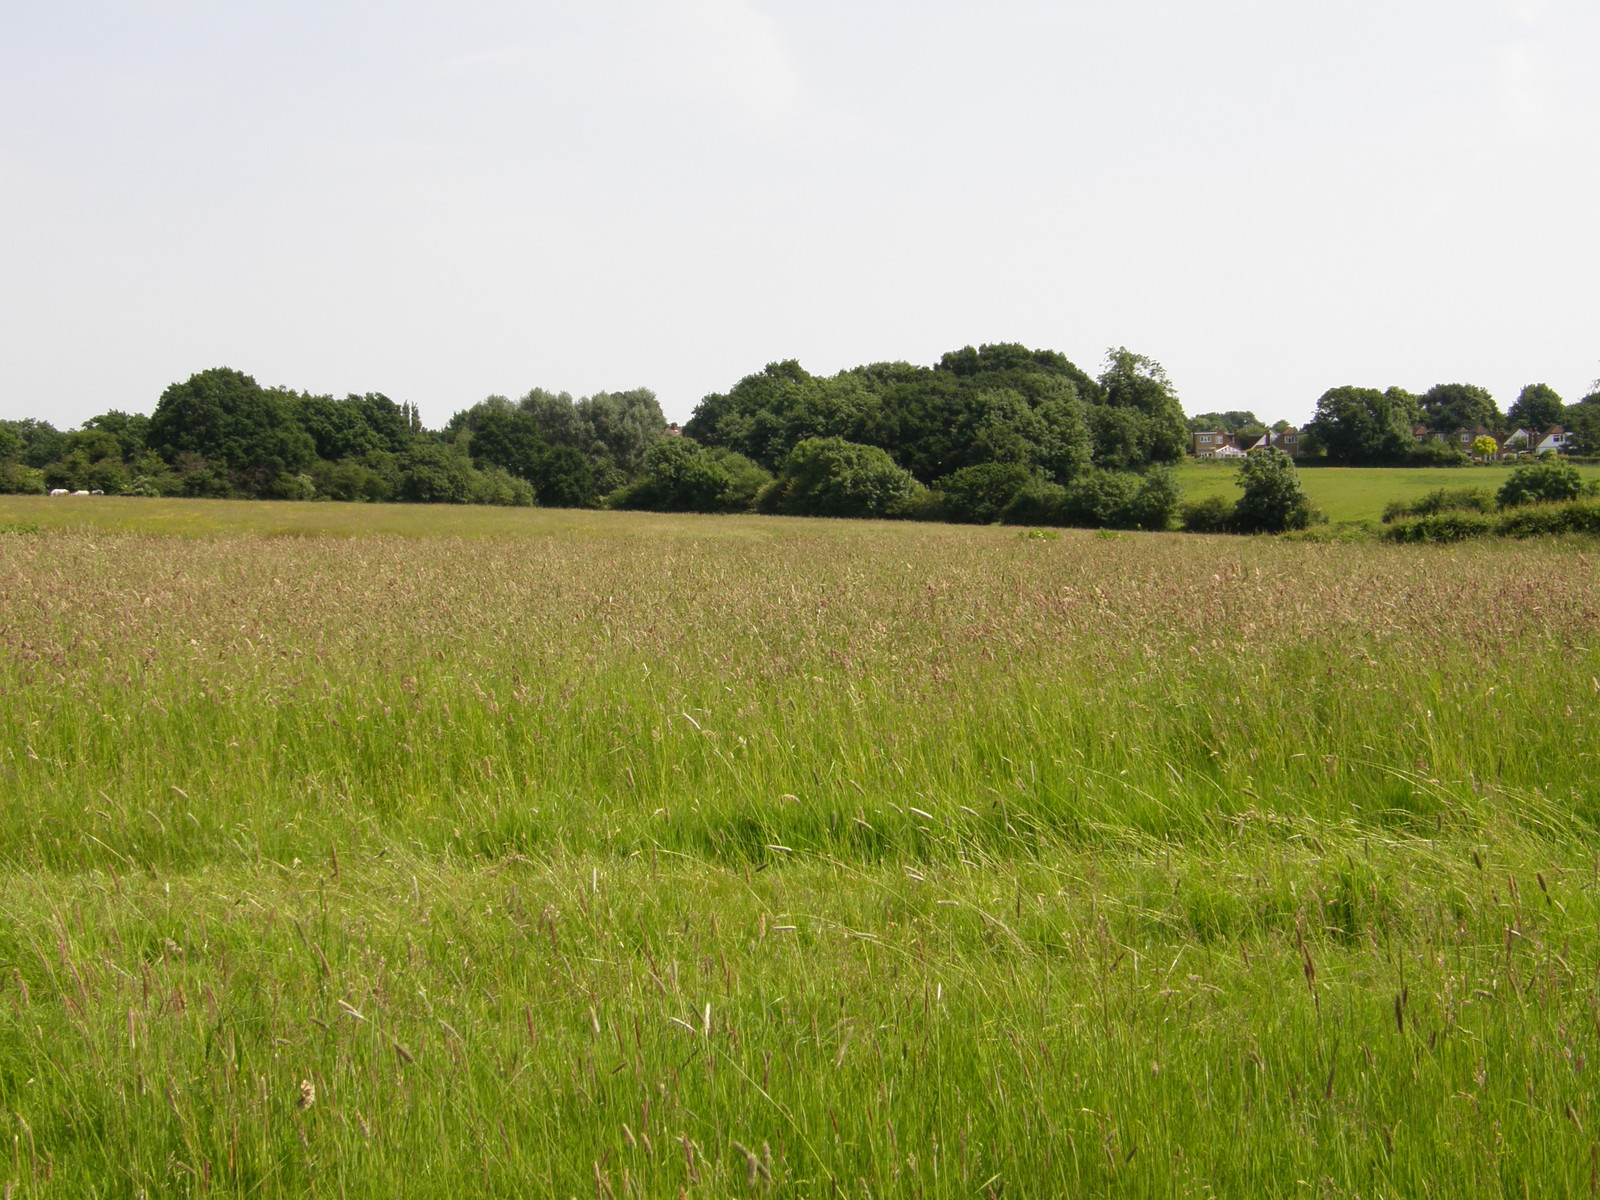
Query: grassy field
[[1353, 493], [615, 855]]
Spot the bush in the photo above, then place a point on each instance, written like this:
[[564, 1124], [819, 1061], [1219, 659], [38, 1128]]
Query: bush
[[1273, 500], [1436, 454], [1214, 514], [1449, 526], [1544, 520], [293, 487], [18, 480], [830, 477], [431, 474], [1037, 504], [566, 479], [920, 504], [1122, 499], [1466, 499], [497, 486], [349, 479], [745, 478], [981, 494], [681, 477], [1541, 482]]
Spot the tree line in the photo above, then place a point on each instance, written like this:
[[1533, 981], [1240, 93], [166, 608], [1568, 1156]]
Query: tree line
[[1362, 426], [220, 434], [987, 433]]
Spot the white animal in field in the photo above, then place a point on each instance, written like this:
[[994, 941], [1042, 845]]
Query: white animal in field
[[59, 492], [80, 493]]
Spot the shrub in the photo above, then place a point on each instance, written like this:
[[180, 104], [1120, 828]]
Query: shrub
[[1037, 504], [1543, 520], [1436, 454], [830, 477], [981, 494], [920, 504], [1450, 526], [681, 477], [1273, 500], [1214, 514], [431, 474], [497, 486], [1466, 499], [18, 480], [745, 476], [1540, 482], [1122, 499]]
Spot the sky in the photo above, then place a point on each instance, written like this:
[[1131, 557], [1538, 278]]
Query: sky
[[443, 201]]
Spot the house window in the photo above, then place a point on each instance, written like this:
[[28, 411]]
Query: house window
[[1205, 437]]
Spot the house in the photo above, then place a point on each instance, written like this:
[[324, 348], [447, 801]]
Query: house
[[1215, 443], [1532, 441], [1205, 443], [1553, 439], [1287, 440]]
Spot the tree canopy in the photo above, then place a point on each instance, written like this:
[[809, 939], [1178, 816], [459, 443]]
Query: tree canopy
[[1537, 406]]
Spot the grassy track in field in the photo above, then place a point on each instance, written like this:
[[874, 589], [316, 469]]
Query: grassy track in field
[[602, 854], [1353, 493]]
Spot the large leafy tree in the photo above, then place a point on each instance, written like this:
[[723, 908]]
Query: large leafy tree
[[1451, 406], [1537, 407], [1139, 385], [130, 430], [1365, 426], [225, 418]]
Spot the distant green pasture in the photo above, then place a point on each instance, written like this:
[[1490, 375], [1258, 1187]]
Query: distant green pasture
[[1352, 493]]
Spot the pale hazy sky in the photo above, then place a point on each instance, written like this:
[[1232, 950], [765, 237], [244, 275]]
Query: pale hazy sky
[[439, 201]]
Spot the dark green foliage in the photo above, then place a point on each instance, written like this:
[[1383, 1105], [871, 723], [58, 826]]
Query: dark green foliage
[[1538, 407], [830, 477], [1582, 422], [1001, 403], [1139, 385], [1540, 482], [352, 427], [503, 436], [1121, 500], [1467, 499], [129, 430], [1037, 504], [1363, 426], [431, 473], [746, 479], [1448, 526], [372, 478], [1273, 500], [496, 485], [1433, 453], [678, 478], [19, 480], [227, 419], [1214, 514], [1580, 517], [566, 479], [982, 494], [1451, 406], [1544, 520], [33, 443]]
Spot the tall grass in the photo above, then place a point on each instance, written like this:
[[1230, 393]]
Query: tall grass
[[705, 857]]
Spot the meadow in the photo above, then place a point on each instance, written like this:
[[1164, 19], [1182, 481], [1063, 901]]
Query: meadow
[[438, 852], [1348, 494]]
